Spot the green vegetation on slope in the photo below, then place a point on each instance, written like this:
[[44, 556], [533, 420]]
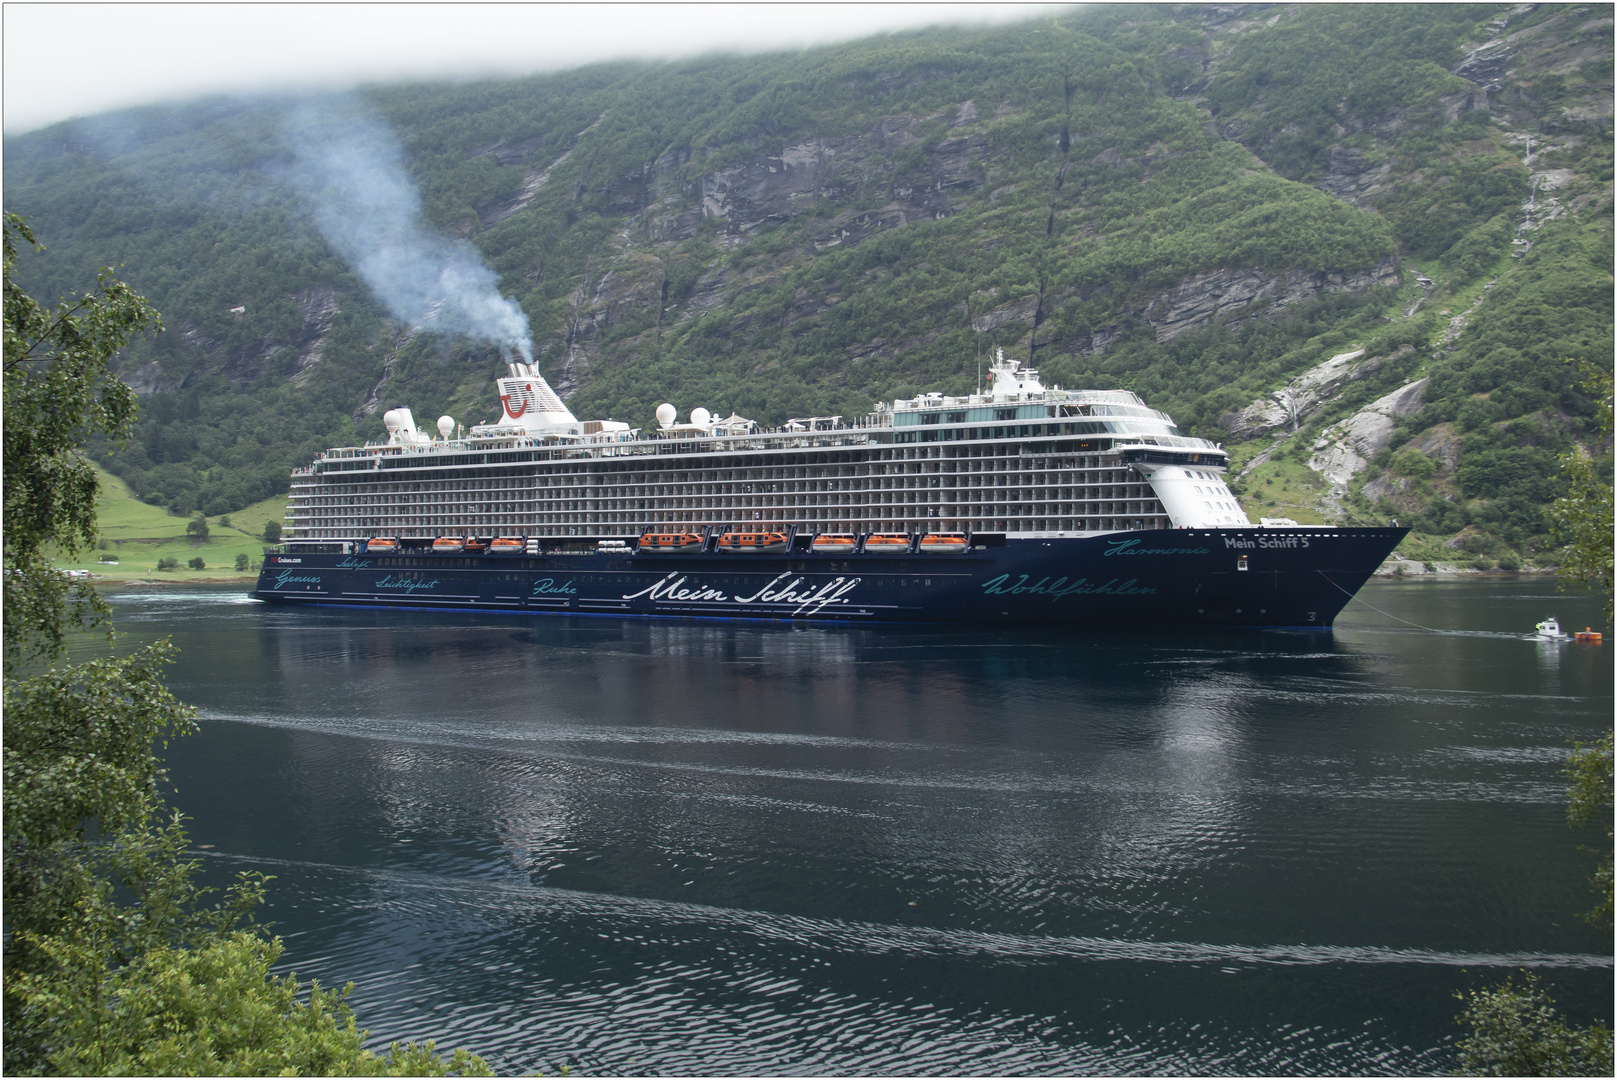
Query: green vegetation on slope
[[1505, 405], [1195, 203]]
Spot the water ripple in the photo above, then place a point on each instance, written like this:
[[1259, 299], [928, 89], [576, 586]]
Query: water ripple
[[844, 936]]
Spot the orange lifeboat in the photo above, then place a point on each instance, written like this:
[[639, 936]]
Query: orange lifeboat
[[448, 545], [381, 545], [835, 544], [1588, 636], [670, 541], [887, 543], [943, 543], [753, 541], [505, 545]]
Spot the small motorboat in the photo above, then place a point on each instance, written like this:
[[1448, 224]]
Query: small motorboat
[[381, 545], [943, 543], [670, 541], [448, 545], [755, 542], [505, 545], [887, 543], [835, 544], [1549, 630]]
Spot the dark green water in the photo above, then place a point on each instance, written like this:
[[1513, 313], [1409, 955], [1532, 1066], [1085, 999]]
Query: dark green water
[[649, 847]]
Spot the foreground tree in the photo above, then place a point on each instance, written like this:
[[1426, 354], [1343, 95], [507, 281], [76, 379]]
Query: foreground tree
[[1584, 515], [1515, 1031], [59, 391], [114, 962], [1589, 803]]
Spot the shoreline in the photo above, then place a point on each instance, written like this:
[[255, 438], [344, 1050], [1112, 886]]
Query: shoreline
[[1392, 572], [1401, 571], [165, 582]]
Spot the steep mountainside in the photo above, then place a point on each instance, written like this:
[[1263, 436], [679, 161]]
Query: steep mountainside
[[1204, 204]]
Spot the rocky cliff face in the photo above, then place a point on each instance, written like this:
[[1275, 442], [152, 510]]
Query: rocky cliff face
[[1295, 403], [1238, 294], [807, 181], [630, 292], [490, 212], [1344, 449], [198, 350], [319, 307], [800, 183], [774, 189], [1501, 74]]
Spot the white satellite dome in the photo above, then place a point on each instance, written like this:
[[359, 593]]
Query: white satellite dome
[[701, 417], [391, 419], [666, 414], [446, 426]]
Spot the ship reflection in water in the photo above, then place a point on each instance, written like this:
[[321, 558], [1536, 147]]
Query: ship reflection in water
[[712, 848]]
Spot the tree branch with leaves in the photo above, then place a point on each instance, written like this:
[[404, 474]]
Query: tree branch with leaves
[[60, 390], [1584, 515], [114, 961]]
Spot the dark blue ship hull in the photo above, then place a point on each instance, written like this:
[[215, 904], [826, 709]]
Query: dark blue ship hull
[[1181, 577]]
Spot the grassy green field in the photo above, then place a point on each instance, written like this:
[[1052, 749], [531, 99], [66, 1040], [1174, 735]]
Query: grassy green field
[[1283, 487], [140, 535]]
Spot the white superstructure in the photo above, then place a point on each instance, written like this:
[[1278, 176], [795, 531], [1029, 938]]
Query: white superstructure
[[1022, 459]]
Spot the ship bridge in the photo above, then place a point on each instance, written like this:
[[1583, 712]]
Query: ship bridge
[[1186, 475]]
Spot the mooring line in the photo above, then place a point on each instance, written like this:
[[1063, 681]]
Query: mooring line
[[1377, 610]]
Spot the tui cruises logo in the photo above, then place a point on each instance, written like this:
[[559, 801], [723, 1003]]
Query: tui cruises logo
[[517, 398]]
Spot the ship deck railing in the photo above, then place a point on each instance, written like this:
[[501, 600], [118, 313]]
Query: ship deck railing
[[658, 443]]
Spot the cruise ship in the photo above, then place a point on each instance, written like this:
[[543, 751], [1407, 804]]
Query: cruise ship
[[1025, 503]]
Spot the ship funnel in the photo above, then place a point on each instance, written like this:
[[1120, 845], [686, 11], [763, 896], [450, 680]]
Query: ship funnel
[[527, 401]]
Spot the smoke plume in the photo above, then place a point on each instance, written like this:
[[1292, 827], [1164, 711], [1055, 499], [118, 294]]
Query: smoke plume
[[350, 168]]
